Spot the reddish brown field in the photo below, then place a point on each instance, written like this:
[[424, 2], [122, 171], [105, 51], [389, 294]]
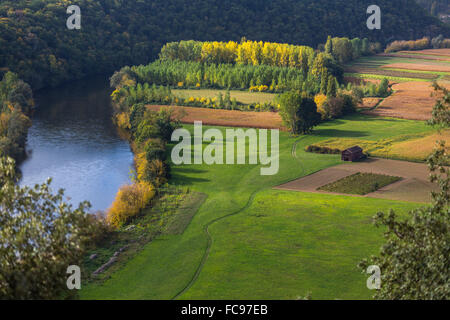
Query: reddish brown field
[[421, 67], [410, 55], [228, 118], [411, 100], [431, 52]]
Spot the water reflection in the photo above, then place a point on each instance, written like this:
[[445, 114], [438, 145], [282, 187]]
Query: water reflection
[[74, 141]]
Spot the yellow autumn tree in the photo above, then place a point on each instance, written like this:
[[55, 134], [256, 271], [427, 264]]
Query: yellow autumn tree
[[320, 100], [129, 201]]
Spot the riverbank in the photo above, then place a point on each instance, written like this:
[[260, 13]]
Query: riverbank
[[74, 141]]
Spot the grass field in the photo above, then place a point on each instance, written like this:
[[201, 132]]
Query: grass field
[[244, 97], [412, 147], [360, 183], [249, 241], [381, 76]]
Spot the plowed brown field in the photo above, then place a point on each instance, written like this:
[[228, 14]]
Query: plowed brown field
[[228, 118], [411, 100]]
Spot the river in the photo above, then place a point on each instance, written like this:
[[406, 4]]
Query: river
[[74, 141]]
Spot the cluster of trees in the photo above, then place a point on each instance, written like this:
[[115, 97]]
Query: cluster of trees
[[333, 107], [438, 42], [299, 112], [184, 74], [370, 89], [149, 133], [16, 100], [302, 112], [345, 49], [250, 65], [246, 52], [36, 44]]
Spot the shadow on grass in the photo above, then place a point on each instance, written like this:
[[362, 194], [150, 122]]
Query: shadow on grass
[[180, 177]]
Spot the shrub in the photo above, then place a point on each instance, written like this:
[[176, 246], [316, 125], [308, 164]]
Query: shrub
[[157, 172], [323, 150], [129, 201], [348, 104], [334, 107], [155, 149], [420, 44]]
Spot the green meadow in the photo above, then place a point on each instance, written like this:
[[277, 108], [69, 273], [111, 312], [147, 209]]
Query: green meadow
[[249, 241]]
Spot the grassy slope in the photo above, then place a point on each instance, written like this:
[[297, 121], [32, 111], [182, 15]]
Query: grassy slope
[[167, 265], [288, 244]]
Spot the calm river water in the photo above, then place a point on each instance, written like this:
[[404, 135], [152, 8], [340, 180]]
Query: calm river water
[[73, 140]]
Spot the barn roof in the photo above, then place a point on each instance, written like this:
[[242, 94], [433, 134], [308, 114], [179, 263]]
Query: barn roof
[[355, 149]]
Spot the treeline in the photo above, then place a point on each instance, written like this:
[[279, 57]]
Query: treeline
[[149, 133], [16, 100], [227, 76], [246, 52], [267, 53], [438, 42], [36, 44]]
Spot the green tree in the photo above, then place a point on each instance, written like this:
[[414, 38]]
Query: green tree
[[40, 237], [383, 88], [441, 110], [332, 88], [299, 113], [324, 82], [329, 46]]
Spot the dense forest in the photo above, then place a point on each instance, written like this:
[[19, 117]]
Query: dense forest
[[436, 7], [16, 100], [35, 43]]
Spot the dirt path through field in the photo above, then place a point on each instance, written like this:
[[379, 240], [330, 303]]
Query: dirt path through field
[[414, 185]]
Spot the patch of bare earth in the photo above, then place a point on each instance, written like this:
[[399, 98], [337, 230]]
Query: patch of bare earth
[[227, 118], [414, 185], [410, 100]]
